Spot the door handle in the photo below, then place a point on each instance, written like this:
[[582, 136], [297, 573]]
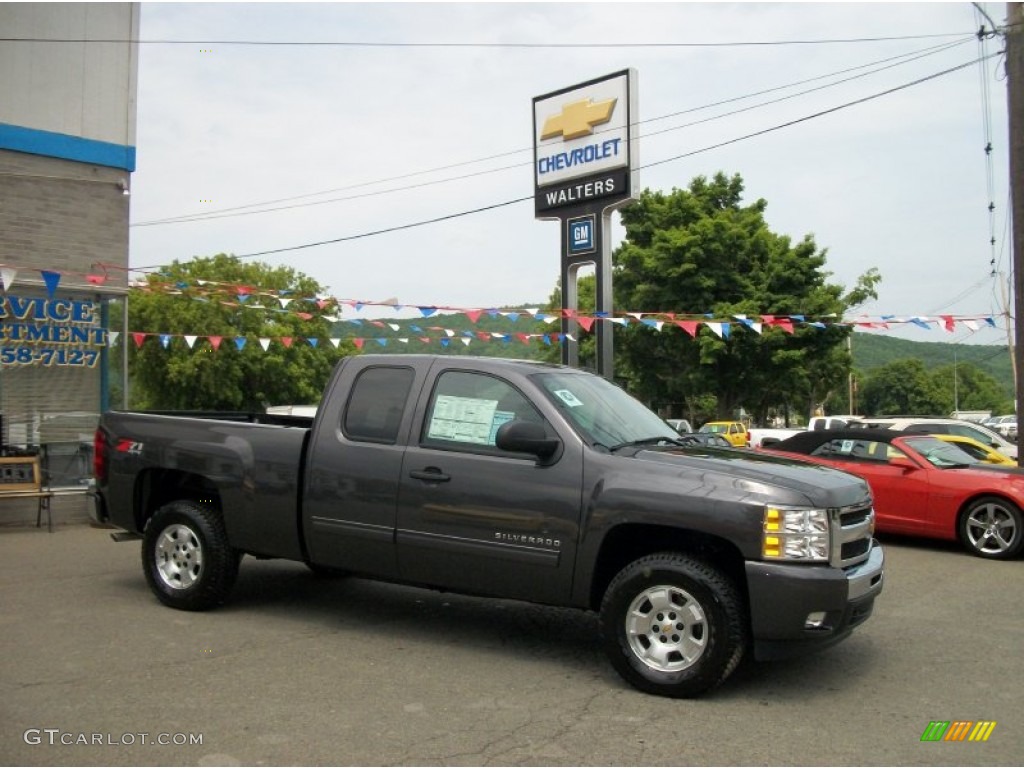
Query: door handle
[[430, 474]]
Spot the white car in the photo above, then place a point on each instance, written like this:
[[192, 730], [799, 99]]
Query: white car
[[935, 426], [1004, 425], [682, 426]]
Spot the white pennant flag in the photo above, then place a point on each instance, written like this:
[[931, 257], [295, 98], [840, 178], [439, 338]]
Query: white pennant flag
[[970, 324], [114, 336], [465, 341], [265, 343], [755, 327], [190, 340], [335, 342], [7, 275], [716, 327]]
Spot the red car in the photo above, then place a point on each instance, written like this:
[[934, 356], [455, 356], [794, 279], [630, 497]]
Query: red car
[[923, 486]]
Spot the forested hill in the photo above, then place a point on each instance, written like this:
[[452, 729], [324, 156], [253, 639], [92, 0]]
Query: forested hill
[[872, 351]]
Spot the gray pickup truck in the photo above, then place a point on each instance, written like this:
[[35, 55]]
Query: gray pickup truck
[[508, 479]]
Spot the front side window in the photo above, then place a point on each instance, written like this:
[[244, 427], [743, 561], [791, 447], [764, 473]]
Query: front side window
[[940, 453], [466, 410]]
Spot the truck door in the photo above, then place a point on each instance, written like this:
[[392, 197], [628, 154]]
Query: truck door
[[474, 518], [355, 464]]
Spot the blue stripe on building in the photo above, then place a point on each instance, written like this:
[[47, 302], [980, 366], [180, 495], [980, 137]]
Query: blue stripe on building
[[37, 142]]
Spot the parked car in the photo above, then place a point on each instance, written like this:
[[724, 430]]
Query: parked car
[[1002, 424], [929, 425], [979, 450], [682, 426], [733, 431], [506, 479], [923, 486]]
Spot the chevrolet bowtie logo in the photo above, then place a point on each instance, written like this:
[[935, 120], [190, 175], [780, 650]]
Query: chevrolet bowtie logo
[[578, 119]]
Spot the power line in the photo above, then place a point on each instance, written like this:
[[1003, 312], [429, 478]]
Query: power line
[[241, 210], [735, 140], [397, 44]]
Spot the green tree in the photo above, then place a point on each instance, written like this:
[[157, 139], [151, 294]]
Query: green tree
[[223, 296], [974, 390], [699, 251], [903, 387]]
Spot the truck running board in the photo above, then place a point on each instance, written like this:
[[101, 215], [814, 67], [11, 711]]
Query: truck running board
[[125, 536]]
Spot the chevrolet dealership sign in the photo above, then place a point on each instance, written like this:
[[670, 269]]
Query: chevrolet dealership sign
[[584, 144]]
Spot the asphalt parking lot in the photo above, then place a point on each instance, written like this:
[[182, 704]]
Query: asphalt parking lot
[[296, 670]]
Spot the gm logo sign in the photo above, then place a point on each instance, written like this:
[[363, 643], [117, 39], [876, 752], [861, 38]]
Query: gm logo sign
[[581, 234]]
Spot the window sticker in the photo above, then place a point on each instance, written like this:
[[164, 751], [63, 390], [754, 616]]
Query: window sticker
[[847, 446], [500, 417], [463, 419], [567, 397]]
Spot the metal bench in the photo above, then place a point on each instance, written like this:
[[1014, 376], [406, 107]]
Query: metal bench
[[21, 478]]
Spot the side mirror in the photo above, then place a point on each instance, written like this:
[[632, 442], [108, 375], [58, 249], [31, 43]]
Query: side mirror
[[902, 462], [526, 437]]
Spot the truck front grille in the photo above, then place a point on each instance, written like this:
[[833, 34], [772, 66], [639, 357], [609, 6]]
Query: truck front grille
[[851, 534]]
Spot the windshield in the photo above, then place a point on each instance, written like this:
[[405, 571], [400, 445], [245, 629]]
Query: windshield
[[714, 428], [940, 453], [601, 411]]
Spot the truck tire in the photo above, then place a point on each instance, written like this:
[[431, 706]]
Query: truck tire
[[992, 528], [186, 557], [672, 625]]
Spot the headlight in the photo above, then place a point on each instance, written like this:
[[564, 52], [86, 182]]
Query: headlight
[[795, 533]]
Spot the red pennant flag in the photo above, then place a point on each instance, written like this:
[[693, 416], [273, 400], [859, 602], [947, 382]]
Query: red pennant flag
[[215, 342], [569, 313], [483, 336], [523, 337], [585, 322], [139, 338], [287, 341], [358, 343], [304, 315], [96, 279], [785, 324], [948, 322], [690, 326], [473, 314]]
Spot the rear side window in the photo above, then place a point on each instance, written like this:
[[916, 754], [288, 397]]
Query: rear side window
[[378, 400]]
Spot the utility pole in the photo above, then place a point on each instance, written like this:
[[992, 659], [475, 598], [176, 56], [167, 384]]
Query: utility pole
[[1015, 105]]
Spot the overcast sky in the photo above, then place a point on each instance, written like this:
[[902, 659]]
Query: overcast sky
[[899, 182]]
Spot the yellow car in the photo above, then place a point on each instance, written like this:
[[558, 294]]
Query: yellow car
[[733, 431], [978, 450]]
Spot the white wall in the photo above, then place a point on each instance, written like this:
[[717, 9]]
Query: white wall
[[84, 89]]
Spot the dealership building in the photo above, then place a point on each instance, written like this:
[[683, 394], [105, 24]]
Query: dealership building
[[68, 80]]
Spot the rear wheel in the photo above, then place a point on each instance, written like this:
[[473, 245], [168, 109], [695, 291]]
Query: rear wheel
[[673, 625], [993, 528], [186, 557]]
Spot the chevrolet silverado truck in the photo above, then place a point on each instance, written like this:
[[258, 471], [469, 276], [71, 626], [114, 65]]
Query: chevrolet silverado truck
[[506, 479]]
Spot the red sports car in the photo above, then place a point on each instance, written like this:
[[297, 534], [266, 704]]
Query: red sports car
[[923, 486]]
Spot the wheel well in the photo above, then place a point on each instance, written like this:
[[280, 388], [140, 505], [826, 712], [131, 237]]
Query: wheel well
[[156, 487], [626, 543]]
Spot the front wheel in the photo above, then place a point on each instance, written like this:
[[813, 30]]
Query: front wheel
[[993, 528], [186, 557], [673, 625]]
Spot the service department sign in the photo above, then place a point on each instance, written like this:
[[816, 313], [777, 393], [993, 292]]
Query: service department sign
[[585, 144]]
